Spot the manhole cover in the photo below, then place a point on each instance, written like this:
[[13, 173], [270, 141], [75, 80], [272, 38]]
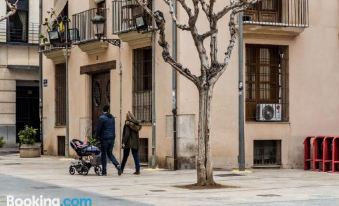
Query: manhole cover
[[46, 187], [12, 163], [229, 175], [269, 195], [157, 190]]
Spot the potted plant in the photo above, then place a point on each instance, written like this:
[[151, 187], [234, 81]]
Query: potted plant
[[2, 141], [28, 147]]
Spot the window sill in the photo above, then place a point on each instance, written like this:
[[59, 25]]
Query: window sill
[[146, 123], [257, 122], [20, 44], [59, 127]]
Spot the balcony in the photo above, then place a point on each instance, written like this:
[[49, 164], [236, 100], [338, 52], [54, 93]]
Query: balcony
[[57, 51], [19, 34], [124, 24], [84, 28], [276, 17]]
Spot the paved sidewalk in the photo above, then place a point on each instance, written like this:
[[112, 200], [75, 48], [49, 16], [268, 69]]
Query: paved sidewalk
[[49, 176]]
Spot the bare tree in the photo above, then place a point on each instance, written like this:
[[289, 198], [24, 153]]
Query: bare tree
[[210, 67], [12, 10]]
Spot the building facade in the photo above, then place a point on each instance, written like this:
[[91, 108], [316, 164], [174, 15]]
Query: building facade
[[19, 70], [290, 60]]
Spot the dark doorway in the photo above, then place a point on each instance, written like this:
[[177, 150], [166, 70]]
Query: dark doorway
[[143, 150], [27, 109], [61, 145], [100, 95]]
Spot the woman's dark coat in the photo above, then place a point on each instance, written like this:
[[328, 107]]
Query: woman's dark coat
[[130, 135]]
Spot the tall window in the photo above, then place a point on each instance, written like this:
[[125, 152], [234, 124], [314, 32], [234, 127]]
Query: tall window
[[17, 30], [60, 95], [266, 78], [142, 84]]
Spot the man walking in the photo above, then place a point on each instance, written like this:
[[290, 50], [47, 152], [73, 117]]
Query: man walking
[[105, 131]]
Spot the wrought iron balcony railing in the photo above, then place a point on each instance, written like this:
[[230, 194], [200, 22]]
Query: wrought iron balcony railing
[[19, 34], [284, 13], [83, 26], [124, 12]]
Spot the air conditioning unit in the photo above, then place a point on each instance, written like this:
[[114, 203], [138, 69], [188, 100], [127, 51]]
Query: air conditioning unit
[[269, 112]]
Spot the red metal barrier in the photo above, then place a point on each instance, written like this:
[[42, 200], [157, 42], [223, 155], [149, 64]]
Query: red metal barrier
[[318, 153], [327, 153], [335, 157], [307, 153]]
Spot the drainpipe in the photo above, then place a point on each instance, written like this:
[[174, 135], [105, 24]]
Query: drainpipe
[[40, 84], [120, 79], [241, 157], [153, 161], [67, 95], [174, 90]]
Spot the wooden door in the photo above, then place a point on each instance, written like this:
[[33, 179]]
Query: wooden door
[[100, 95]]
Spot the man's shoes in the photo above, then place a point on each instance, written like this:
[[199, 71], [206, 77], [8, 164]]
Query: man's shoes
[[119, 170], [136, 173], [103, 174]]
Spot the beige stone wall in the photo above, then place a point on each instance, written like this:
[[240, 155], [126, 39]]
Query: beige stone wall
[[313, 79]]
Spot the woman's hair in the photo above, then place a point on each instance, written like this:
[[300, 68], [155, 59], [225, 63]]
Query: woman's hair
[[131, 117]]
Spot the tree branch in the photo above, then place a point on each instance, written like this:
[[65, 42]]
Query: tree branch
[[221, 68], [160, 21], [234, 5], [12, 10], [174, 18]]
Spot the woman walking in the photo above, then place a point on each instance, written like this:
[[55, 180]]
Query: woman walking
[[130, 141]]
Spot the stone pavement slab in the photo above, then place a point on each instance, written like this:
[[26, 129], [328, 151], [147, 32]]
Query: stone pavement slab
[[278, 187]]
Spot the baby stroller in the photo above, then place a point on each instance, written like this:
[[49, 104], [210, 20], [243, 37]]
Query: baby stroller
[[89, 156]]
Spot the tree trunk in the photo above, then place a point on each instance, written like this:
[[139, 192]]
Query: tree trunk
[[204, 164]]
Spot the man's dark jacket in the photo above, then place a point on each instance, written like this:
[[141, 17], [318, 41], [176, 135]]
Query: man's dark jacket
[[106, 127]]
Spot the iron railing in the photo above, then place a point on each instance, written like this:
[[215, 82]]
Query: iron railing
[[18, 35], [142, 105], [285, 13], [82, 23], [123, 12]]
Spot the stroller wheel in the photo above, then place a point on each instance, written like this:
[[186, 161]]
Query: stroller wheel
[[71, 170], [84, 171], [97, 170]]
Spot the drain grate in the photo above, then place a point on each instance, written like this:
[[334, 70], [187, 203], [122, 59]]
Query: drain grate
[[12, 163], [46, 187], [269, 195], [229, 175], [115, 189], [157, 190]]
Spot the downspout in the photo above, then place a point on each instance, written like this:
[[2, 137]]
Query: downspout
[[40, 83], [120, 79], [241, 157], [153, 161], [67, 95], [174, 90]]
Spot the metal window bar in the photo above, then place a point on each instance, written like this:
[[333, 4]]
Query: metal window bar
[[142, 84], [82, 22], [266, 78], [285, 13], [267, 152], [60, 95], [122, 11]]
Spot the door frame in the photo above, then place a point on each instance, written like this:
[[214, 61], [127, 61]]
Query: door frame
[[90, 70]]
